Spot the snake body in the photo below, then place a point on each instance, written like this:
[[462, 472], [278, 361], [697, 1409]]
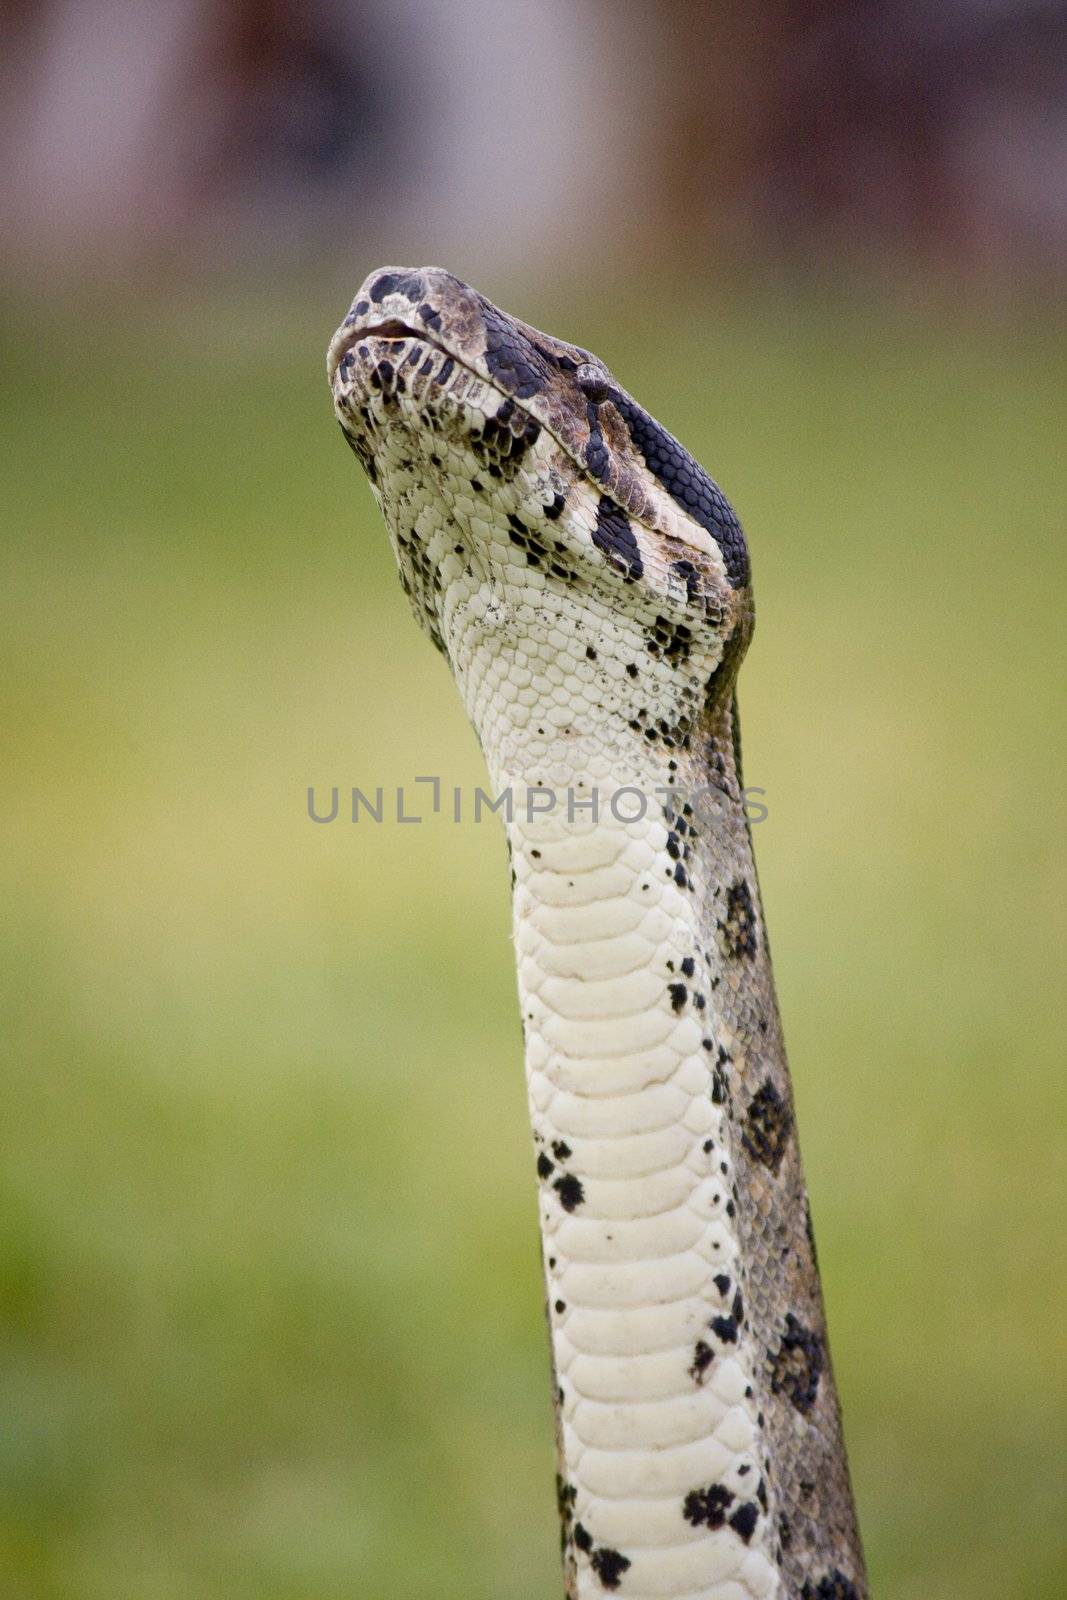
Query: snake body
[[589, 586]]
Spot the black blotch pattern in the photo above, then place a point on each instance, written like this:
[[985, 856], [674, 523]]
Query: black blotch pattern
[[720, 1089], [832, 1586], [672, 640], [570, 1191], [596, 386], [744, 1519], [738, 928], [554, 507], [504, 440], [614, 536], [725, 1328], [797, 1364], [363, 453], [545, 1167], [410, 284], [707, 1508], [716, 772], [597, 458], [564, 363], [609, 1566], [527, 540], [767, 1126], [703, 1356], [561, 1149], [690, 577], [514, 363], [673, 643], [566, 1494], [679, 995], [689, 486], [423, 583]]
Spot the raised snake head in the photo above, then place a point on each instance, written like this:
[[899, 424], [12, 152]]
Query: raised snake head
[[513, 471]]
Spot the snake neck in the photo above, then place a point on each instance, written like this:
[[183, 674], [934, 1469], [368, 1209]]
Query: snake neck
[[589, 584], [698, 1436]]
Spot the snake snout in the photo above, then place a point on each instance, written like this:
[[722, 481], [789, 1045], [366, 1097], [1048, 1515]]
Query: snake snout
[[428, 303]]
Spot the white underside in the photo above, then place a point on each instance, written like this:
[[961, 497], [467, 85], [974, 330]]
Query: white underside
[[623, 1082]]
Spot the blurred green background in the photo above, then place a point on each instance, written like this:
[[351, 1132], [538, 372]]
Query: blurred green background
[[269, 1331]]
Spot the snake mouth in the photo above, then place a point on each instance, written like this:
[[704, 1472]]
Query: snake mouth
[[392, 328], [344, 349]]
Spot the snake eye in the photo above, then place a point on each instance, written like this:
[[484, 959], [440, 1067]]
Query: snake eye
[[592, 382]]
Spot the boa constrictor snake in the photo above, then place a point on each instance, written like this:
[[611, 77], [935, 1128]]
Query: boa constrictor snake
[[589, 587]]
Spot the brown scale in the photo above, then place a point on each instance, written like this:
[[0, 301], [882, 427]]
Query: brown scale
[[807, 1477]]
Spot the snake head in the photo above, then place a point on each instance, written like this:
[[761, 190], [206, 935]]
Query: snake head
[[508, 461]]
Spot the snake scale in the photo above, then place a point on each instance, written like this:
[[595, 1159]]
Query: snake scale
[[589, 587]]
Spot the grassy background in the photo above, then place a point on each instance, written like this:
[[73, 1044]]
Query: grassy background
[[270, 1332]]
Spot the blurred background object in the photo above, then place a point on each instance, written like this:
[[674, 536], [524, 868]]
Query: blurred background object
[[268, 1331], [788, 136]]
